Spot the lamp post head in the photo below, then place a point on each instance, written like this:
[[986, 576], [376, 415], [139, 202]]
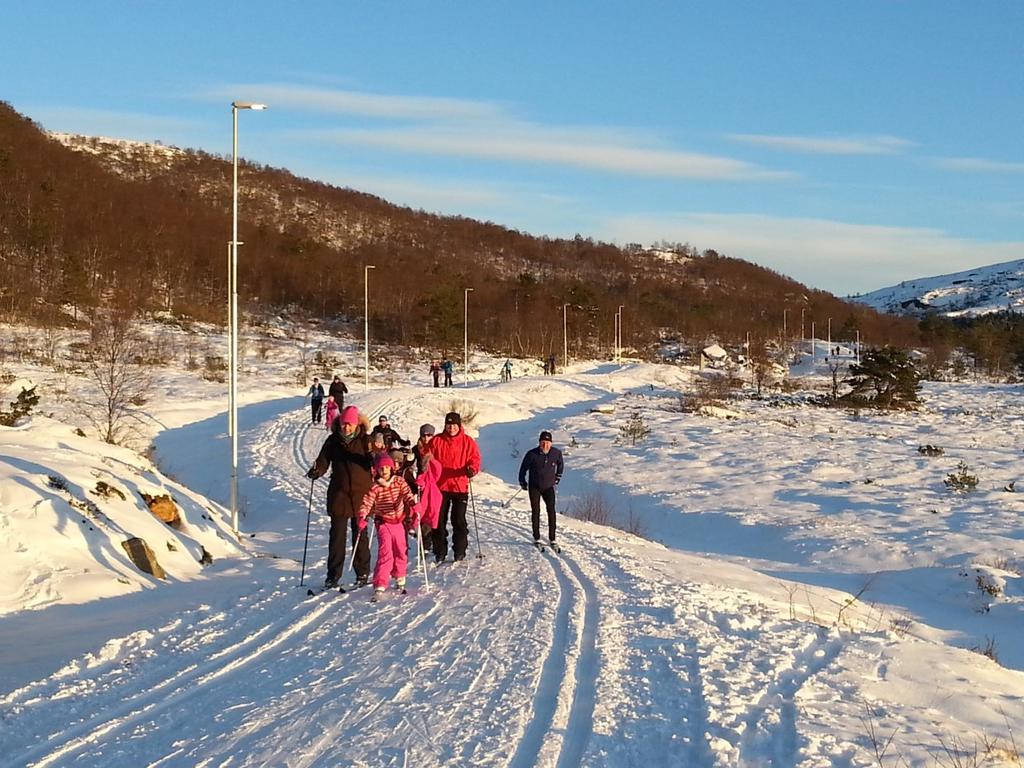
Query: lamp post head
[[247, 105]]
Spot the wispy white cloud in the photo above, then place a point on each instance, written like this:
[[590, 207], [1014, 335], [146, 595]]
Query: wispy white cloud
[[356, 103], [490, 130], [837, 256], [826, 145], [977, 165], [535, 144]]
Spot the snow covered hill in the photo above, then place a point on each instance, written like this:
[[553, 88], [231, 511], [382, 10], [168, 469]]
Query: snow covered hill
[[973, 292], [805, 587]]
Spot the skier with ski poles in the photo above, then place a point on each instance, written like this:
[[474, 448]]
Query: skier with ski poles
[[428, 473], [543, 466], [346, 452], [459, 457], [391, 503], [316, 400]]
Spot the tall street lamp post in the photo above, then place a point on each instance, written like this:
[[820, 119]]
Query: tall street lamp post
[[618, 337], [465, 338], [366, 325], [565, 336], [615, 338], [233, 309]]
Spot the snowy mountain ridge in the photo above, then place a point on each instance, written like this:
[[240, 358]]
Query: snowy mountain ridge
[[970, 293]]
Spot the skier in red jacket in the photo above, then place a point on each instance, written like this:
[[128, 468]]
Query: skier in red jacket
[[459, 457]]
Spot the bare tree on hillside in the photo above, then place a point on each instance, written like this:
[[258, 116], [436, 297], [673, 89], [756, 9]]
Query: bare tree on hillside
[[115, 349]]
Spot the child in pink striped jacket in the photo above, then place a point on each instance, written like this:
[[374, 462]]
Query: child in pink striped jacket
[[391, 503]]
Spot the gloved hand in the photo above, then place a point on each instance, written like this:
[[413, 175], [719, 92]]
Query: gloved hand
[[470, 472], [524, 486], [311, 474], [361, 525]]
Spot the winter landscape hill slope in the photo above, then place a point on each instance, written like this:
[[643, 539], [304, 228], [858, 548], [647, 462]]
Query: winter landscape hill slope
[[971, 293], [86, 221], [805, 586]]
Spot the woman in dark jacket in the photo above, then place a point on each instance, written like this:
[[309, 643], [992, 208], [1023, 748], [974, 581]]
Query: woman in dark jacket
[[346, 452]]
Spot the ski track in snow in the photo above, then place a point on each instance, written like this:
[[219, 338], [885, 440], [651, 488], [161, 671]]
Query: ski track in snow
[[591, 660]]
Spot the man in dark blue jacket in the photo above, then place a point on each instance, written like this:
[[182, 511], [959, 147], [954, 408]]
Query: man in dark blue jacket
[[544, 466]]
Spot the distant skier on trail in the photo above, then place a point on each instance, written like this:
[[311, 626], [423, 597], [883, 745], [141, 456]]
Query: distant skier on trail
[[346, 452], [316, 399], [447, 367], [331, 412], [338, 390], [435, 372], [539, 473], [391, 503], [459, 457]]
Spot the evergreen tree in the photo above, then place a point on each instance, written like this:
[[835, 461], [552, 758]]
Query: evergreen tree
[[885, 378]]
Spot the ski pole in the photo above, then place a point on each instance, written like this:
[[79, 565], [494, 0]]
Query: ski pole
[[305, 545], [512, 498], [355, 546], [423, 558], [472, 501]]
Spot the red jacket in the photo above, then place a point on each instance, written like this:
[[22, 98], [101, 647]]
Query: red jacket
[[454, 454]]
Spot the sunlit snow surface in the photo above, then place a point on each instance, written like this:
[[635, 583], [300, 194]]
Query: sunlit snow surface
[[728, 636]]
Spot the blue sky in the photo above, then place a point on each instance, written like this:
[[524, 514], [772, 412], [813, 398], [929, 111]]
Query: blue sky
[[848, 145]]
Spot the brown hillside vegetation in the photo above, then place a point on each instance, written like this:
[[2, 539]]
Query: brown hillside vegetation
[[92, 221]]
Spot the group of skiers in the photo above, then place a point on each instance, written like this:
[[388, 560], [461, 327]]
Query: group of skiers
[[443, 366], [335, 399], [411, 491]]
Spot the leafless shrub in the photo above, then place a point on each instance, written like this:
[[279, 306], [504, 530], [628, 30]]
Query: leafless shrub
[[635, 524], [710, 391], [901, 625], [465, 409], [592, 507], [116, 346], [878, 743], [988, 650], [215, 368], [958, 754]]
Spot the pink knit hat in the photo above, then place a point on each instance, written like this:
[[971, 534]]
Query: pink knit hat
[[383, 461], [350, 415]]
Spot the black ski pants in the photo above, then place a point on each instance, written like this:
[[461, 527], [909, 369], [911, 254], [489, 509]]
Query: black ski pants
[[316, 404], [548, 494], [453, 504], [336, 549]]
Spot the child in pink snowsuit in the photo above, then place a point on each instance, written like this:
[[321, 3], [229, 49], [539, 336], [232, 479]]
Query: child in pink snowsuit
[[332, 412], [391, 503]]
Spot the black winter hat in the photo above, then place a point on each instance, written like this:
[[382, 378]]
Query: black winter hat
[[545, 435], [453, 418]]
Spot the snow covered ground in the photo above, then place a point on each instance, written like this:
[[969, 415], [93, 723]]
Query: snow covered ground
[[807, 590]]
